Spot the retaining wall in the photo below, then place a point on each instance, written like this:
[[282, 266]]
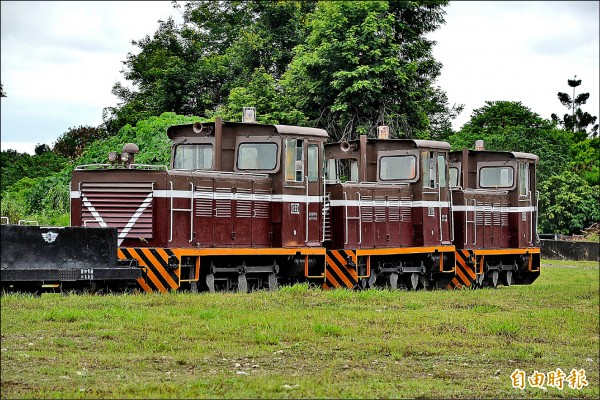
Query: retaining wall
[[566, 250]]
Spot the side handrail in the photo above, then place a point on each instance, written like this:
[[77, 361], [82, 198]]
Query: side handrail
[[89, 166], [439, 199], [451, 217], [307, 207], [537, 214], [359, 218], [346, 215], [148, 166]]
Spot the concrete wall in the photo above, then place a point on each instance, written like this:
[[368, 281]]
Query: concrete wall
[[566, 250]]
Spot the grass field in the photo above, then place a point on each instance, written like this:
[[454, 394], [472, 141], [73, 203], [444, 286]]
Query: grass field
[[301, 342]]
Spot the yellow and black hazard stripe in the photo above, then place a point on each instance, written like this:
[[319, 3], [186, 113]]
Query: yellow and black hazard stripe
[[158, 275], [464, 274], [340, 269]]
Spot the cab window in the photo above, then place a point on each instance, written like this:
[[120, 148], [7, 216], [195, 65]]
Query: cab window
[[313, 163], [257, 156], [193, 156], [429, 169], [397, 168], [523, 179], [294, 160], [453, 176], [496, 177]]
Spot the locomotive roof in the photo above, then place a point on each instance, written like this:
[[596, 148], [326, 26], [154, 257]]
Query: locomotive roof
[[515, 154], [281, 129], [433, 144]]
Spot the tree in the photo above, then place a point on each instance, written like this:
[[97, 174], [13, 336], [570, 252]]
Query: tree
[[72, 143], [263, 93], [578, 121], [191, 69], [511, 126], [569, 204], [2, 93], [15, 166], [41, 149], [369, 63]]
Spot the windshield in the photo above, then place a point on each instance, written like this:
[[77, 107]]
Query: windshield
[[257, 156], [193, 156], [496, 177], [397, 167]]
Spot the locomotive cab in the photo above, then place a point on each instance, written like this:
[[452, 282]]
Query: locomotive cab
[[389, 202], [495, 212], [238, 199]]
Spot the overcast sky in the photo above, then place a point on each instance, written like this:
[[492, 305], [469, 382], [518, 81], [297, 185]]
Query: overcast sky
[[59, 60]]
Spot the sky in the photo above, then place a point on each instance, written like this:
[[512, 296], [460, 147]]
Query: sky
[[59, 60]]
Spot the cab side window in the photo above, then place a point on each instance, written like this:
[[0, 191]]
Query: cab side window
[[294, 160]]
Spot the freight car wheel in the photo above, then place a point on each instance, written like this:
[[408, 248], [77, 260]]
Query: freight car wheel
[[507, 278], [273, 282]]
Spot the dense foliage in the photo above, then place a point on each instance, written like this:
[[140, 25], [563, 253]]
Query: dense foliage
[[71, 143], [37, 187], [344, 66], [568, 171]]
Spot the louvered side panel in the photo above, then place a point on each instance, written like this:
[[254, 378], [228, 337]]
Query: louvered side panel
[[125, 206]]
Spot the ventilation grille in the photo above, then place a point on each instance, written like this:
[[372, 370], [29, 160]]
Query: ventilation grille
[[125, 206]]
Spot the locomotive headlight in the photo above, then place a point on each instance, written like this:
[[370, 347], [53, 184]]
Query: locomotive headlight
[[112, 156], [124, 156]]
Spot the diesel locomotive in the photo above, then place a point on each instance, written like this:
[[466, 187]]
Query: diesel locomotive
[[246, 206]]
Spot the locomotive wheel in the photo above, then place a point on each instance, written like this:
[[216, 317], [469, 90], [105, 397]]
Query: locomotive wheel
[[242, 283], [210, 282], [425, 282], [370, 282], [507, 278], [414, 280], [479, 280], [273, 282], [494, 278], [393, 281]]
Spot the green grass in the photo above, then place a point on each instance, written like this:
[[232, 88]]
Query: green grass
[[301, 342]]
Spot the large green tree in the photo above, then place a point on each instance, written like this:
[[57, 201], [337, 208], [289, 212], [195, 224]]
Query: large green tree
[[511, 126], [566, 204], [72, 143], [369, 63], [191, 69], [346, 66]]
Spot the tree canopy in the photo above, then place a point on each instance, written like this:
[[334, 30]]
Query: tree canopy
[[346, 66], [568, 168], [578, 120]]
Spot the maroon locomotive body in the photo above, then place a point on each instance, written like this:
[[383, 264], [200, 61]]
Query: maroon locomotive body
[[390, 204], [495, 217], [245, 206], [240, 199]]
